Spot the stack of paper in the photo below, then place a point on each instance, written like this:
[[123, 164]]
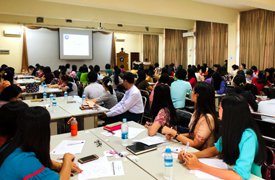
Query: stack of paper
[[69, 146], [100, 168], [151, 140], [217, 163]]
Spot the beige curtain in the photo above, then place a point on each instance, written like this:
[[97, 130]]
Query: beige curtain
[[175, 47], [151, 48], [203, 42], [113, 55], [211, 43], [25, 62], [257, 38]]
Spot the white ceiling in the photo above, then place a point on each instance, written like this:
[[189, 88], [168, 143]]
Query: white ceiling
[[240, 5], [228, 3]]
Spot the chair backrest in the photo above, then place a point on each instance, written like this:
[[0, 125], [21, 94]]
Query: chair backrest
[[119, 95], [144, 100], [268, 168], [183, 117], [144, 93]]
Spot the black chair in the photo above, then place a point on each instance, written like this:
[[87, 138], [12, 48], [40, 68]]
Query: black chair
[[119, 95], [146, 115], [267, 129], [183, 120]]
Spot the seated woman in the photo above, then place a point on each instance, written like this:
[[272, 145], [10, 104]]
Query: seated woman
[[260, 82], [141, 82], [242, 148], [164, 78], [162, 110], [218, 83], [203, 126], [66, 84], [10, 94], [27, 155], [240, 87], [191, 77], [6, 79], [47, 75], [109, 96]]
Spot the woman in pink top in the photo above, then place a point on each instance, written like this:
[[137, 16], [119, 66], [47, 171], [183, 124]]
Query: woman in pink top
[[164, 78], [162, 110]]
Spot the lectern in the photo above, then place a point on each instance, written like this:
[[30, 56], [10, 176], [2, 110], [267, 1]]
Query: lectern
[[122, 59]]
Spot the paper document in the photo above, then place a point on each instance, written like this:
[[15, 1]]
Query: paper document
[[210, 162], [152, 140], [133, 132], [100, 168], [69, 146]]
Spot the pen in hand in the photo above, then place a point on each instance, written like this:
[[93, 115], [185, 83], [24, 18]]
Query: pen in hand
[[186, 147]]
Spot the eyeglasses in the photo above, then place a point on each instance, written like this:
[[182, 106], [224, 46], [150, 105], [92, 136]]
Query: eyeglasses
[[98, 143]]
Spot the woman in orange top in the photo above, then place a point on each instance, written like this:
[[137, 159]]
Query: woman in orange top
[[6, 79]]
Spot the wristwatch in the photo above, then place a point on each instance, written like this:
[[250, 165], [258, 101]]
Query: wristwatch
[[175, 137]]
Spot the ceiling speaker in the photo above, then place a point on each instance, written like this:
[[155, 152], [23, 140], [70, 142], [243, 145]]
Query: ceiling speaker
[[39, 19]]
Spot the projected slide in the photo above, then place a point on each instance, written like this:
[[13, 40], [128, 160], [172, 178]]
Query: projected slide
[[76, 45]]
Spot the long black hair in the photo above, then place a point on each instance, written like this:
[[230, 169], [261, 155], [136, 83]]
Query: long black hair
[[116, 75], [236, 118], [108, 83], [162, 99], [141, 77], [33, 135], [205, 105], [191, 74], [216, 80]]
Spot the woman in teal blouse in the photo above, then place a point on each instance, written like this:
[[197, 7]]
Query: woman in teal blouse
[[27, 154], [241, 145]]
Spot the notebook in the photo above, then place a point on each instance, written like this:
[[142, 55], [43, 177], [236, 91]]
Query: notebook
[[139, 148]]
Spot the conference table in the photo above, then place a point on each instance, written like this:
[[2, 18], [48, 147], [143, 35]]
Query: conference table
[[131, 171], [41, 90], [22, 76], [67, 108], [151, 162], [26, 81]]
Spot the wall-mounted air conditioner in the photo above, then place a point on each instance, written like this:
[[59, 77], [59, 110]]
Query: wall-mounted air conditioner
[[188, 34], [12, 33]]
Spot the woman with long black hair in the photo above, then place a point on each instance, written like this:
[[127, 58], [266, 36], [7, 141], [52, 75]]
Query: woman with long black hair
[[109, 96], [240, 145], [162, 110], [27, 155], [203, 126]]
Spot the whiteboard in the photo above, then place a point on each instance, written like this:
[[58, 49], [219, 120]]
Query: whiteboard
[[43, 48]]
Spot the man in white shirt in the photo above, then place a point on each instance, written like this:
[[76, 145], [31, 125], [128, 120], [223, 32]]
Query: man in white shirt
[[131, 105], [267, 107], [94, 89]]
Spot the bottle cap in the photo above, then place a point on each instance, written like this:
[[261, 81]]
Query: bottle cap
[[124, 120], [167, 150]]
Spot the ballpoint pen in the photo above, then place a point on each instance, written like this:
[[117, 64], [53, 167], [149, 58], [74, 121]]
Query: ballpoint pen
[[71, 144], [186, 147]]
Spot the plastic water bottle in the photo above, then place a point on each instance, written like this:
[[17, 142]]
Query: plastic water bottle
[[44, 97], [54, 104], [66, 96], [168, 164], [51, 97], [74, 127], [83, 99], [124, 132]]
